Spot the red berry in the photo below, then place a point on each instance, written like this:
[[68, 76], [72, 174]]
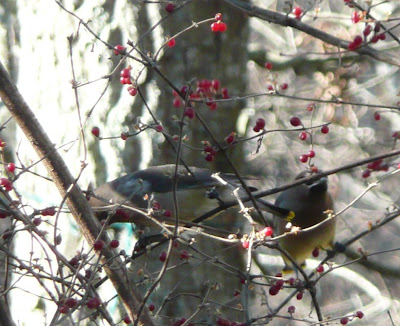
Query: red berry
[[320, 269], [284, 86], [152, 307], [169, 8], [260, 123], [37, 221], [377, 27], [311, 154], [184, 255], [93, 303], [177, 102], [224, 92], [126, 73], [299, 296], [189, 112], [63, 309], [218, 26], [171, 43], [382, 36], [167, 213], [303, 158], [74, 261], [236, 293], [351, 46], [291, 309], [256, 128], [344, 320], [325, 129], [279, 283], [215, 84], [71, 302], [218, 17], [114, 243], [375, 165], [7, 184], [315, 252], [377, 116], [268, 65], [310, 107], [223, 322], [245, 244], [230, 138], [367, 30], [96, 131], [127, 320], [375, 39], [163, 256], [209, 157], [267, 232], [297, 11], [295, 121], [355, 17], [132, 90], [119, 49], [3, 214], [124, 135], [49, 211], [303, 135], [11, 167], [274, 290], [360, 314], [98, 245], [358, 40], [159, 128], [366, 174]]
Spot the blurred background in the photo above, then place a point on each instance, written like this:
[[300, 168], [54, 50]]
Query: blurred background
[[35, 50]]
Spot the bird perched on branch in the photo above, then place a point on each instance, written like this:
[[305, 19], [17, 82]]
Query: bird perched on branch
[[311, 203], [194, 190]]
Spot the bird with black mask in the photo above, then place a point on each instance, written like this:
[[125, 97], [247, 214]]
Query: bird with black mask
[[311, 204]]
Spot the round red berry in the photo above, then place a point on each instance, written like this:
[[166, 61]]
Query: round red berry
[[218, 17], [291, 309], [245, 244], [177, 102], [171, 43], [274, 290], [63, 309], [311, 154], [184, 255], [49, 211], [297, 11], [96, 131], [169, 8], [37, 221], [295, 121], [315, 252], [163, 256], [93, 303], [209, 157], [127, 320], [325, 129], [366, 174], [268, 65], [152, 307], [218, 26], [98, 245], [303, 135], [344, 320], [7, 184], [320, 269], [114, 243], [215, 84], [71, 302], [260, 123], [284, 86], [119, 49], [159, 128], [303, 158], [224, 92], [167, 213], [132, 90], [355, 17], [189, 112], [299, 296], [267, 232], [230, 138], [360, 314], [11, 167], [126, 73]]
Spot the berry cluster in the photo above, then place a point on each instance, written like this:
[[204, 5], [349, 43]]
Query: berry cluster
[[273, 86], [375, 166], [358, 39], [209, 151], [219, 26]]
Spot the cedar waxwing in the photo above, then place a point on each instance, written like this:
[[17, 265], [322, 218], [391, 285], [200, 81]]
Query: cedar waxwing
[[309, 202], [135, 189]]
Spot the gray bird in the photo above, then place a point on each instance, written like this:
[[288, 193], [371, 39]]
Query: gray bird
[[309, 203], [193, 194]]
